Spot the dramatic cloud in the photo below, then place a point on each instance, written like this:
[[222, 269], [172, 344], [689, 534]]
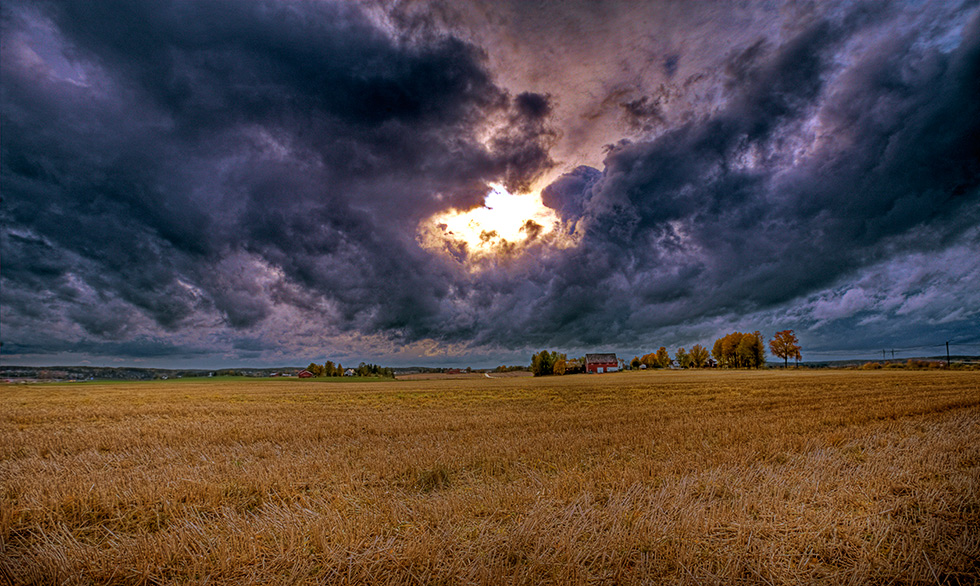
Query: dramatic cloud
[[250, 181]]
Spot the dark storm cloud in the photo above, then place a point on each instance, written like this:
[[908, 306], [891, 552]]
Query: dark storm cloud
[[808, 173], [137, 348], [195, 178], [570, 193], [189, 157]]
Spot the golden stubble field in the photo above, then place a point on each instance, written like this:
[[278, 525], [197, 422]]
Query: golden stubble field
[[630, 478]]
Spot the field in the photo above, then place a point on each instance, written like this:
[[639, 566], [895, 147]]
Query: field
[[788, 477]]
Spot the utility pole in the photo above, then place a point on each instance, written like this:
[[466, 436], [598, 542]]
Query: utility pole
[[947, 353], [893, 355], [882, 353]]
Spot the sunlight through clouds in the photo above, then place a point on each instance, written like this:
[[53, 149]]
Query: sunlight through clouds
[[504, 225]]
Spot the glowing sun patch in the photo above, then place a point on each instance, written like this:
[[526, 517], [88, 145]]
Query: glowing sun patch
[[505, 225]]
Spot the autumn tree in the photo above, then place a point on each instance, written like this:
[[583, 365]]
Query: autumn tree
[[754, 350], [543, 363], [751, 351], [724, 350], [740, 350], [315, 369], [786, 346], [663, 358], [635, 363], [698, 357], [561, 365], [683, 358]]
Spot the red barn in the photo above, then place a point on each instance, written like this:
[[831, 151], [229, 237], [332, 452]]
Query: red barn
[[305, 374], [599, 363]]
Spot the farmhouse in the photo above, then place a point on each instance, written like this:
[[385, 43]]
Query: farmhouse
[[600, 363]]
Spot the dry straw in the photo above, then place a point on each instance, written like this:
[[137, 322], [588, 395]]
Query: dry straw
[[632, 478]]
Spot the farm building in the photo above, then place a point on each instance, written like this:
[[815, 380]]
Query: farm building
[[305, 374], [599, 363]]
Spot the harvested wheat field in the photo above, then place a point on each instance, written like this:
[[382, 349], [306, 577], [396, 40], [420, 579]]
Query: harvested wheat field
[[629, 478]]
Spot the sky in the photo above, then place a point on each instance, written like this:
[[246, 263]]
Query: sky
[[216, 183]]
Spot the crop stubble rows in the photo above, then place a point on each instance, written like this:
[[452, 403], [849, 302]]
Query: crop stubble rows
[[633, 478]]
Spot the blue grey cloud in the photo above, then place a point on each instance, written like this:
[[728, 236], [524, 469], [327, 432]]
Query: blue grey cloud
[[246, 179]]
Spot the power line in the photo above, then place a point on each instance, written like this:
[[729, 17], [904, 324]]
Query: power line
[[898, 353], [897, 348]]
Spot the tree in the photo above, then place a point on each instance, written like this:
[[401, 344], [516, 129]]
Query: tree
[[683, 358], [724, 351], [658, 359], [698, 356], [751, 351], [738, 350], [543, 363], [786, 346], [663, 358], [560, 366], [635, 363]]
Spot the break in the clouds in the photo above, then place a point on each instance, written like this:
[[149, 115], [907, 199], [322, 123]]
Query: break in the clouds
[[242, 181]]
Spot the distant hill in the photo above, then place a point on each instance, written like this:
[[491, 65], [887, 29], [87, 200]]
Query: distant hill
[[971, 360], [64, 373]]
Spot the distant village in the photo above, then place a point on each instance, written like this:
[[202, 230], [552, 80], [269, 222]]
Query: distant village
[[330, 369], [736, 350]]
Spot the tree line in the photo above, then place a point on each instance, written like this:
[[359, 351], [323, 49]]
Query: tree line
[[735, 350], [697, 357], [330, 369], [545, 363]]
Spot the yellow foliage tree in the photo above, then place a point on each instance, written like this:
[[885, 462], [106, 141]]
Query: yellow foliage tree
[[786, 346]]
